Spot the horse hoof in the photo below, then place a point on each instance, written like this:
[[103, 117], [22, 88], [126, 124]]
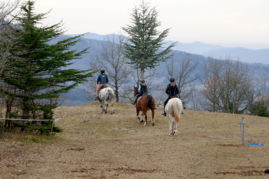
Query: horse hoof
[[153, 124]]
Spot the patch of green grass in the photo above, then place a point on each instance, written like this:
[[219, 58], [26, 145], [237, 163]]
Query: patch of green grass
[[122, 105], [103, 131], [95, 103], [24, 138], [29, 139]]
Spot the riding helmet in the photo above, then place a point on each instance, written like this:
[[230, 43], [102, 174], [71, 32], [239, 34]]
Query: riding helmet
[[102, 71], [142, 81], [172, 79]]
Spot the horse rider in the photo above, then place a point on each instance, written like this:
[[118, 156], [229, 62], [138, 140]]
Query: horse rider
[[171, 91], [142, 89], [101, 82]]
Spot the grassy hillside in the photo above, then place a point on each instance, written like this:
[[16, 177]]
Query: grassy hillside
[[95, 145]]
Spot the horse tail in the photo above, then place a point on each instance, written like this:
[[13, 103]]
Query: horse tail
[[175, 111], [150, 102], [111, 96]]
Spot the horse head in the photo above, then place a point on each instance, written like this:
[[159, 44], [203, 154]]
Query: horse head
[[135, 90]]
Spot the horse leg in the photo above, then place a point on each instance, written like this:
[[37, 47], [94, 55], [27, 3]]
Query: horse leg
[[102, 107], [175, 127], [170, 124], [112, 102], [152, 117], [137, 115], [106, 106], [146, 118], [112, 108]]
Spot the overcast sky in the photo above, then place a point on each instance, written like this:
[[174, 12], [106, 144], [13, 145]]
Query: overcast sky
[[222, 22]]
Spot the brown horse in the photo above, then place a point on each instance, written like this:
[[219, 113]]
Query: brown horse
[[145, 103]]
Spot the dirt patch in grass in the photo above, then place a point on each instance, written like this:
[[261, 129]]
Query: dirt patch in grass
[[132, 170], [230, 145], [246, 171], [243, 173]]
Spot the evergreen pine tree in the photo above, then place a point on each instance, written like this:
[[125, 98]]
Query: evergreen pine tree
[[144, 48], [37, 69], [260, 109]]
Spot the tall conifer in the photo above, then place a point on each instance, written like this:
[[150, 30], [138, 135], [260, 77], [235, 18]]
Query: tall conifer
[[145, 46], [37, 69]]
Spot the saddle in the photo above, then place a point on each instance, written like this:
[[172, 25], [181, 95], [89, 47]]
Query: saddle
[[102, 87]]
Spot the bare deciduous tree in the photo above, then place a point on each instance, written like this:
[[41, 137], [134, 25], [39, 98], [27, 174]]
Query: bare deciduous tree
[[134, 77], [113, 61], [8, 12], [212, 87], [228, 87], [183, 74]]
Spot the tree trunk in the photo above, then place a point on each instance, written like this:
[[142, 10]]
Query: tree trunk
[[25, 110], [142, 74], [116, 91], [9, 102]]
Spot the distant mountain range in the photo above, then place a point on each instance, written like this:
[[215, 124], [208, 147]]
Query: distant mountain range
[[196, 52], [208, 50]]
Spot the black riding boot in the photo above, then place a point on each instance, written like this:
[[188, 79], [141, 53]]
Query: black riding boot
[[165, 102], [164, 113], [136, 98], [97, 98]]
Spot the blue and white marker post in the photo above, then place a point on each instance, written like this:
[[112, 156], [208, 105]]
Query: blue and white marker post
[[242, 134]]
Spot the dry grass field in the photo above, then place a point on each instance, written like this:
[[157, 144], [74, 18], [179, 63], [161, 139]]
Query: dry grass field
[[95, 145]]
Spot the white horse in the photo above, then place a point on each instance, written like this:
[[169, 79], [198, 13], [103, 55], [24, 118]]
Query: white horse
[[174, 109], [106, 96]]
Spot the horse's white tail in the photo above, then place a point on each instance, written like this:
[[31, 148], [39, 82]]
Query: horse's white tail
[[175, 111]]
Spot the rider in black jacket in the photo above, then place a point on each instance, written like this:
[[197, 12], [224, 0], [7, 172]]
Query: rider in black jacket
[[171, 91]]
